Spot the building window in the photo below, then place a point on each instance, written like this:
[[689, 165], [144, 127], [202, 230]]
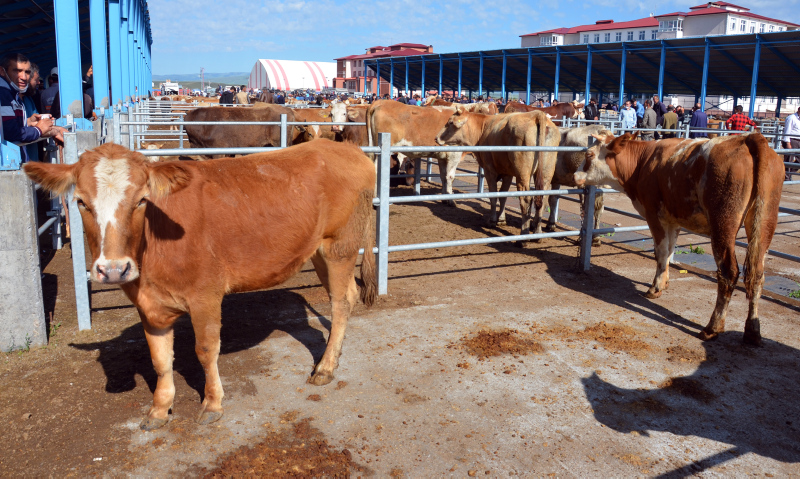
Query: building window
[[630, 36], [607, 37], [772, 28], [743, 26], [597, 38], [586, 38], [619, 36], [761, 28], [733, 24], [551, 40], [641, 34], [670, 25], [752, 27], [653, 34]]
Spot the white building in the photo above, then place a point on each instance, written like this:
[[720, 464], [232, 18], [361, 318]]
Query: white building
[[291, 75], [713, 18]]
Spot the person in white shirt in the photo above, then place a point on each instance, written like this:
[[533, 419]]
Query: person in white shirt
[[791, 136]]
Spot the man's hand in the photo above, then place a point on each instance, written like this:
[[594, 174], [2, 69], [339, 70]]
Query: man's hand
[[34, 119], [43, 124]]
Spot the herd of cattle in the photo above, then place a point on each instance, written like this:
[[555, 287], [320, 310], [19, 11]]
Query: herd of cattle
[[179, 235]]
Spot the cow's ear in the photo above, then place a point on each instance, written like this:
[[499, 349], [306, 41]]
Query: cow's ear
[[326, 115], [635, 135], [459, 122], [352, 115], [56, 178], [168, 177], [602, 138]]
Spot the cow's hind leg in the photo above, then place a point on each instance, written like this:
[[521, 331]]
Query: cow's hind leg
[[505, 184], [760, 224], [343, 293], [160, 341], [206, 321], [723, 246], [552, 201]]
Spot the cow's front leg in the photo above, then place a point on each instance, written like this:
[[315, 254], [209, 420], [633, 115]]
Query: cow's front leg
[[491, 182], [552, 219], [662, 238], [447, 173], [160, 341], [206, 321]]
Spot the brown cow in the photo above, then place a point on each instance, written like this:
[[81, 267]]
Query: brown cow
[[226, 136], [488, 108], [356, 134], [336, 113], [414, 126], [556, 112], [178, 236], [520, 129], [710, 187]]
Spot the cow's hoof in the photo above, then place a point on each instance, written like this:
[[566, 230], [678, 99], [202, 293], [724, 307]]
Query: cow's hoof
[[320, 379], [448, 202], [650, 294], [707, 336], [550, 228], [752, 333], [207, 417], [152, 423], [519, 244], [596, 242]]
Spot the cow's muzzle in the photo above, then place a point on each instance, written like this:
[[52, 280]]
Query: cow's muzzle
[[336, 128], [112, 271], [580, 179]]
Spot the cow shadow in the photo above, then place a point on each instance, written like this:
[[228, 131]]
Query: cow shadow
[[247, 320], [738, 395]]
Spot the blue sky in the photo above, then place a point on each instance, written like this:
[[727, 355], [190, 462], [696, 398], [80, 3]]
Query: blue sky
[[229, 35]]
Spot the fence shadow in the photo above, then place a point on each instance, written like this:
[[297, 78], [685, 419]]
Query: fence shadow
[[247, 320], [738, 395]]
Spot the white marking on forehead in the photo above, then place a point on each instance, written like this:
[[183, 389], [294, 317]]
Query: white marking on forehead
[[113, 178]]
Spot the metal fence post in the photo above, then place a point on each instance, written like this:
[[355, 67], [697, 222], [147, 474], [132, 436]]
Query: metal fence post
[[78, 250], [382, 233], [688, 129], [480, 179], [117, 128], [283, 130], [587, 228], [417, 173], [180, 137]]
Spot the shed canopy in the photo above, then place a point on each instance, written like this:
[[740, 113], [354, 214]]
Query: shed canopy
[[291, 75]]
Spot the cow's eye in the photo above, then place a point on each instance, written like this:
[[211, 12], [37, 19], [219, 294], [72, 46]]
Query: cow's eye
[[142, 202], [80, 203]]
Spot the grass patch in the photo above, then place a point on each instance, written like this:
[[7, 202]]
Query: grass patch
[[692, 249]]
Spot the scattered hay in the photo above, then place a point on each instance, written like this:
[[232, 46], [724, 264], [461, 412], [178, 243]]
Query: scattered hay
[[614, 338], [299, 450], [494, 343], [683, 354]]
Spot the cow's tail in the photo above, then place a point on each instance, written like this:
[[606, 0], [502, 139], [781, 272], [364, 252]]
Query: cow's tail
[[369, 290], [761, 218]]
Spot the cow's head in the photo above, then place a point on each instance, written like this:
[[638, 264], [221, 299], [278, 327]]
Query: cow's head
[[338, 115], [456, 130], [600, 166], [113, 188]]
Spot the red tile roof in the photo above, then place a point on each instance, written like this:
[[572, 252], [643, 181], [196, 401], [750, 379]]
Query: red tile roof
[[714, 10], [412, 45], [724, 4]]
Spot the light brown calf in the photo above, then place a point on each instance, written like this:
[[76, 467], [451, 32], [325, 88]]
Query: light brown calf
[[710, 187], [519, 129], [178, 236]]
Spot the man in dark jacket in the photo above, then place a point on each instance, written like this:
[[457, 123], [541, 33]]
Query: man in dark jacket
[[699, 121], [590, 110], [660, 110], [227, 97]]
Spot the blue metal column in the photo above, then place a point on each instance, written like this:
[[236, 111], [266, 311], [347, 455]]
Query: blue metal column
[[588, 74], [705, 76], [422, 83], [528, 87], [441, 68], [391, 77], [378, 77], [124, 64], [661, 66], [406, 75], [754, 82], [97, 19], [778, 108], [117, 95], [460, 64], [68, 50], [131, 54], [503, 86], [480, 76], [622, 75], [558, 71]]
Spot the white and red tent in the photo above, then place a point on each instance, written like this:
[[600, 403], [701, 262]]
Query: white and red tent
[[291, 75]]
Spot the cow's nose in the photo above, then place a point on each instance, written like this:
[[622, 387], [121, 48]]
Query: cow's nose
[[580, 179], [114, 272], [336, 128]]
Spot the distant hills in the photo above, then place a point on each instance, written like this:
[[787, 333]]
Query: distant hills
[[230, 78]]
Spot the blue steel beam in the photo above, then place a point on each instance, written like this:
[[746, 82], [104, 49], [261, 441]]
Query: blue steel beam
[[99, 53], [378, 77], [70, 83], [124, 64], [480, 76], [422, 76], [441, 68], [460, 65], [588, 74], [528, 83], [391, 76], [406, 90], [661, 66], [558, 71], [741, 65], [754, 81], [653, 64], [503, 86], [622, 74], [783, 57], [704, 84]]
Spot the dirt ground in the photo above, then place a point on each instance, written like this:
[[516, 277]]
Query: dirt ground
[[481, 361]]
